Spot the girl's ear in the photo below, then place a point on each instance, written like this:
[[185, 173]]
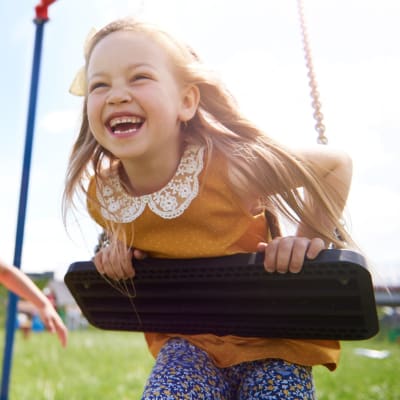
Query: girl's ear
[[190, 102]]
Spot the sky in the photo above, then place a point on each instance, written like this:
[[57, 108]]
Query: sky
[[256, 47]]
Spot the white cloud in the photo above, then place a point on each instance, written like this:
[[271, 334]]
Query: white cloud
[[375, 220], [49, 247], [56, 122]]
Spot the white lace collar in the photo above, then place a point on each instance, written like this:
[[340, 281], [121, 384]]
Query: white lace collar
[[169, 202]]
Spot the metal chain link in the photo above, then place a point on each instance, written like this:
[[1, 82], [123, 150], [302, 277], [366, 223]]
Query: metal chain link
[[316, 104]]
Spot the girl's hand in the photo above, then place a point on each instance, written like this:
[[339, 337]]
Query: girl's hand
[[116, 262], [53, 322], [287, 254]]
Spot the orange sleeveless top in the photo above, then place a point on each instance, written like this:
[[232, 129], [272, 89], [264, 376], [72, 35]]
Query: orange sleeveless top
[[198, 215]]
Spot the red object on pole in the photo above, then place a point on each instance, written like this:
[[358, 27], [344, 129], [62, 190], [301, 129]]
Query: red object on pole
[[42, 8]]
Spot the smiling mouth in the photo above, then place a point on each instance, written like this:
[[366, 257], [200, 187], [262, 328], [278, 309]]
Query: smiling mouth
[[125, 125]]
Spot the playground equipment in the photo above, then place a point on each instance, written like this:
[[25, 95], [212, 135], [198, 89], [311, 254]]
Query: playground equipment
[[41, 18], [331, 298]]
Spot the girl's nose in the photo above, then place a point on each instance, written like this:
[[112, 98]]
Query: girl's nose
[[119, 95]]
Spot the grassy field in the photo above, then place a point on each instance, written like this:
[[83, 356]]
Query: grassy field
[[114, 365]]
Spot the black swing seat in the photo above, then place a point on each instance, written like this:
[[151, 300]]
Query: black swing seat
[[331, 298]]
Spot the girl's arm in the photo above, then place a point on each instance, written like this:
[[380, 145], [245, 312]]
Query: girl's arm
[[288, 253], [335, 169], [19, 283]]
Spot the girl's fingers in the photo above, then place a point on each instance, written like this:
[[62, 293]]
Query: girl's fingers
[[116, 263], [316, 245], [299, 249], [98, 264], [61, 332], [54, 324], [288, 253], [261, 247], [270, 255], [284, 254], [126, 264], [139, 254]]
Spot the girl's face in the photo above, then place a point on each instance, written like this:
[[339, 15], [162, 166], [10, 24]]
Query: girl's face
[[135, 103]]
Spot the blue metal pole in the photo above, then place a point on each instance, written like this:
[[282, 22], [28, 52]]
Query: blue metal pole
[[12, 298]]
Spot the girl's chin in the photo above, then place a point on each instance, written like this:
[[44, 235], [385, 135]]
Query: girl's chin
[[128, 152]]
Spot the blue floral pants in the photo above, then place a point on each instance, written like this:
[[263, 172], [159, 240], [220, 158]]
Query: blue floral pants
[[185, 372]]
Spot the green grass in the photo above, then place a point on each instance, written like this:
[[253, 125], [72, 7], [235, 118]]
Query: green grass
[[359, 377], [105, 365], [95, 365]]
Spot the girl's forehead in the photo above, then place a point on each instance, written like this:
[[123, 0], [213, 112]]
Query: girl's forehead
[[125, 39], [127, 44]]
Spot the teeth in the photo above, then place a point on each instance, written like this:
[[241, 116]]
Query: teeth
[[125, 120], [126, 132]]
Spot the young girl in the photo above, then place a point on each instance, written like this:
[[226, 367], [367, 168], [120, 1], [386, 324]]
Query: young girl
[[176, 171], [19, 283]]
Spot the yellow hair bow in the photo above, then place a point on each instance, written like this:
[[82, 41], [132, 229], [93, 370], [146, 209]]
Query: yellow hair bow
[[79, 86]]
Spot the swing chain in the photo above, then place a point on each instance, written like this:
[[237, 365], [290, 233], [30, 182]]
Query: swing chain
[[316, 104]]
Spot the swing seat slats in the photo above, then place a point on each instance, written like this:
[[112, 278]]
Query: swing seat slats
[[331, 298]]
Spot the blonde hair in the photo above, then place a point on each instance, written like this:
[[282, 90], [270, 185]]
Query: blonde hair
[[257, 164]]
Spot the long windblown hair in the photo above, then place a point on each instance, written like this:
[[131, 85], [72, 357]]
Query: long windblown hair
[[257, 165]]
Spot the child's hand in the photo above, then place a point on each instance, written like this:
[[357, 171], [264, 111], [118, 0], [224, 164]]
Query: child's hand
[[53, 322], [288, 253], [116, 263]]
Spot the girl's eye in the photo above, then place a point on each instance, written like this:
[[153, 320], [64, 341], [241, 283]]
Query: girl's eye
[[139, 77], [96, 85]]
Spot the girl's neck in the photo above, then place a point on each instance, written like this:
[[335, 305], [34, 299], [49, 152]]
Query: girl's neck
[[141, 177]]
